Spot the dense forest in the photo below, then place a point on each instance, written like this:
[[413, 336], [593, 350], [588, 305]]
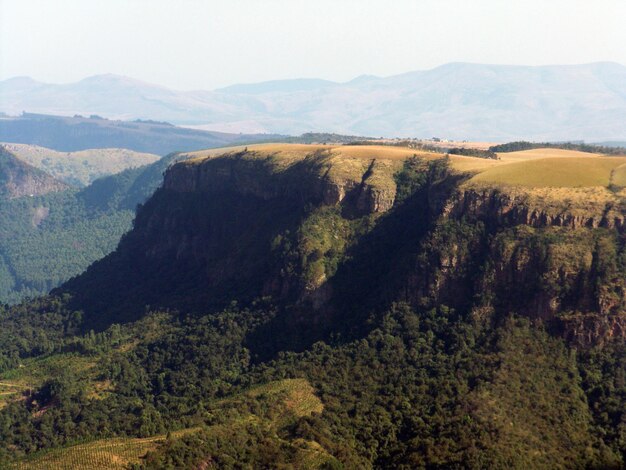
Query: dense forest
[[580, 147], [268, 330], [46, 239]]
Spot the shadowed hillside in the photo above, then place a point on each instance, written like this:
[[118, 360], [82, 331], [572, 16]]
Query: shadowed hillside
[[329, 306]]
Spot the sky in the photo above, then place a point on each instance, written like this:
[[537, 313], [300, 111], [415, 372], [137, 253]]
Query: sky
[[194, 44]]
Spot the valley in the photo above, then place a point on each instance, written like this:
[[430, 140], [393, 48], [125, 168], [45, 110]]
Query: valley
[[312, 235], [338, 306]]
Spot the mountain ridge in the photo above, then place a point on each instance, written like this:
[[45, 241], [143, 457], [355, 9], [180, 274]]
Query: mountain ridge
[[18, 178], [460, 100], [213, 210]]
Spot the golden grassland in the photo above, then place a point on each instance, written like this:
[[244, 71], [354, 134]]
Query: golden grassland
[[290, 398], [552, 178], [533, 168], [299, 151], [534, 154], [556, 172]]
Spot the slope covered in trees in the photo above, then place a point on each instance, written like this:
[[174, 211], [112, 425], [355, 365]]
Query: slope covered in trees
[[46, 239], [335, 307]]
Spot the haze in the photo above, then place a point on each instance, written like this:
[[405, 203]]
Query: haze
[[203, 45]]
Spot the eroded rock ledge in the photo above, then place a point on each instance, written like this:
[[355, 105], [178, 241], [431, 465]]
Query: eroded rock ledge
[[318, 178], [515, 207]]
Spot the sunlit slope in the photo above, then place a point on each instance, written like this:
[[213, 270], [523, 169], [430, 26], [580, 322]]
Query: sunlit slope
[[346, 166], [82, 167], [285, 401], [537, 167], [536, 154], [553, 181], [386, 152], [557, 172], [103, 454]]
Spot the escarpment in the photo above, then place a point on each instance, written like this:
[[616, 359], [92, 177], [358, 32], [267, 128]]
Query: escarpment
[[317, 178], [239, 226], [330, 235], [513, 206], [533, 252]]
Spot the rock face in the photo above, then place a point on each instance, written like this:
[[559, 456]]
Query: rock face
[[594, 329], [325, 237], [318, 179], [232, 227], [503, 251], [19, 179], [516, 209]]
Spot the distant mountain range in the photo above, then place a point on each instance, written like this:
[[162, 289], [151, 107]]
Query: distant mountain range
[[70, 134], [457, 101]]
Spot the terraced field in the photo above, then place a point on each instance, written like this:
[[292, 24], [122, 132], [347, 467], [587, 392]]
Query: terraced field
[[288, 399], [34, 372], [105, 454]]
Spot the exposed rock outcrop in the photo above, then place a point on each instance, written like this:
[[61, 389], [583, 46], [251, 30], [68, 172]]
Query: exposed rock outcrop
[[19, 179], [515, 207], [592, 329], [319, 178], [304, 230]]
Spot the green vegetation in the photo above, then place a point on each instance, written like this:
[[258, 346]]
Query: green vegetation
[[471, 152], [45, 240], [48, 239], [590, 148], [270, 325], [83, 167], [419, 390]]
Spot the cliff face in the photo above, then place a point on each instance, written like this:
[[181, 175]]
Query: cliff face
[[515, 207], [508, 250], [318, 178], [329, 238], [20, 179], [240, 226]]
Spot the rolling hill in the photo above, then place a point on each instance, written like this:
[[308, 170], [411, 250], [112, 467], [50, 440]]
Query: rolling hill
[[18, 178], [458, 100], [83, 167]]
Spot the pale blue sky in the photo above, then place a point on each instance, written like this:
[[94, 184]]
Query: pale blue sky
[[193, 44]]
